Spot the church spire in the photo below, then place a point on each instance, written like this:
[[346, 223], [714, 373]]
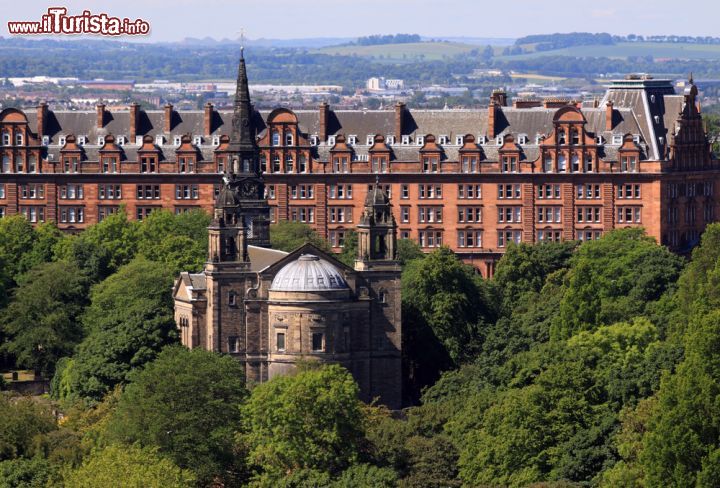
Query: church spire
[[242, 136]]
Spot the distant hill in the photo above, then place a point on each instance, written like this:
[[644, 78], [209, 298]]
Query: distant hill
[[407, 52], [625, 50]]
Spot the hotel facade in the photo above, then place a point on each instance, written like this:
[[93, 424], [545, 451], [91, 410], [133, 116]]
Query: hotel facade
[[474, 180]]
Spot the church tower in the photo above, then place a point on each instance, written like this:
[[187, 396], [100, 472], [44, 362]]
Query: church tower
[[377, 232]]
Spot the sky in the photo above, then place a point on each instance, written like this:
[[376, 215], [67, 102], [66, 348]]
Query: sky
[[287, 19]]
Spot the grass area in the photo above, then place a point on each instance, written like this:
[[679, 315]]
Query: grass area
[[402, 52], [623, 50], [27, 375]]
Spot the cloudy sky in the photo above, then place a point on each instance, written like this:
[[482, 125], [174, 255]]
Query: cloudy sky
[[175, 20]]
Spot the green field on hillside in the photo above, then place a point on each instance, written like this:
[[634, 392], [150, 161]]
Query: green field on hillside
[[402, 52], [623, 50]]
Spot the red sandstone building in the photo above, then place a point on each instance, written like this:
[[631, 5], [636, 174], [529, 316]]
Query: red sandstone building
[[475, 180]]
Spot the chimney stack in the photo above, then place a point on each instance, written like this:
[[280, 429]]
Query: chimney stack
[[609, 116], [167, 121], [492, 110], [324, 116], [42, 110], [100, 115], [499, 96], [207, 119], [134, 109], [399, 116]]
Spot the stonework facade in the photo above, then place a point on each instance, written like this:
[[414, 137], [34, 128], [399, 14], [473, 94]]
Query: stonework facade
[[475, 180], [270, 309]]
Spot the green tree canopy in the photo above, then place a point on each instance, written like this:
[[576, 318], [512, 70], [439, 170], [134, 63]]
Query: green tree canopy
[[22, 422], [129, 320], [42, 321], [187, 403], [16, 238], [288, 236]]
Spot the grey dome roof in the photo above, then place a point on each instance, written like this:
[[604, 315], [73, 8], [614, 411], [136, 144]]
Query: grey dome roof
[[308, 273]]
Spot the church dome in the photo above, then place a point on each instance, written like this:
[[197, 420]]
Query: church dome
[[308, 273]]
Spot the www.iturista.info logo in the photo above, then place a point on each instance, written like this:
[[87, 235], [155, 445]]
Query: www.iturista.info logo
[[57, 21]]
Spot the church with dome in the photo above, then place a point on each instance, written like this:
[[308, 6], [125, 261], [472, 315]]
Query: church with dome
[[270, 309]]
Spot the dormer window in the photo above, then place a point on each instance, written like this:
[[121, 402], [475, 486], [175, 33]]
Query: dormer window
[[121, 140], [482, 140], [443, 139], [458, 140], [331, 140], [159, 140], [314, 140], [100, 141], [216, 140], [405, 140], [5, 138], [370, 139], [538, 139], [197, 140], [177, 140], [390, 139], [61, 141], [138, 140], [18, 139], [46, 140], [600, 139], [522, 139], [617, 139], [352, 140], [499, 140], [420, 140], [636, 139], [82, 140], [289, 139]]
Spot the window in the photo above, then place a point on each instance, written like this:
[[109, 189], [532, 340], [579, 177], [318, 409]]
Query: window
[[331, 140], [509, 164], [469, 164], [32, 164], [420, 140], [708, 188], [390, 139], [562, 164], [302, 164], [289, 163], [429, 214], [470, 238], [33, 214], [105, 211], [2, 212], [588, 191], [318, 342], [5, 138], [506, 237], [508, 191], [232, 298], [340, 214], [588, 163], [589, 235], [18, 139], [628, 191], [588, 214], [289, 139], [470, 214], [459, 140], [275, 138], [574, 163], [369, 140], [510, 215], [148, 192], [340, 164], [109, 192], [2, 190], [430, 164], [19, 167], [303, 192], [549, 215], [5, 163], [109, 164], [148, 164], [71, 164], [71, 192], [404, 214], [187, 192], [314, 140], [561, 136], [548, 164], [574, 137], [142, 212], [379, 164], [159, 140], [302, 214], [547, 191], [470, 191], [430, 238], [549, 235], [405, 140], [340, 192], [233, 344], [352, 139], [280, 341], [709, 212], [628, 164], [186, 164], [443, 139], [32, 191], [430, 191], [276, 163], [631, 215], [337, 238], [270, 192], [404, 191], [70, 215]]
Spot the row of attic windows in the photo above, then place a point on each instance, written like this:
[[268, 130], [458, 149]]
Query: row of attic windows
[[407, 140]]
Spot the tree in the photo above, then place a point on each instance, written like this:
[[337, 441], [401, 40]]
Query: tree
[[129, 320], [288, 236], [366, 476], [136, 467], [349, 252], [26, 473], [448, 296], [116, 236], [614, 279], [22, 422], [407, 250], [16, 238], [187, 403], [47, 238], [179, 240], [310, 420], [42, 321]]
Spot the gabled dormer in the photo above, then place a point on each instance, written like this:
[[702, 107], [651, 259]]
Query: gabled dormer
[[430, 155]]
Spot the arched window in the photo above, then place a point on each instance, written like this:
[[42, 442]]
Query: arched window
[[5, 163], [19, 166], [18, 139], [561, 136], [32, 164], [289, 163], [263, 163], [288, 139], [5, 138], [302, 164], [275, 138], [548, 164], [574, 137], [562, 163], [276, 163], [575, 163]]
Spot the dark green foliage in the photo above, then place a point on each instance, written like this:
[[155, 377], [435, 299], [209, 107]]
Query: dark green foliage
[[288, 236], [129, 320], [26, 473], [42, 321], [407, 250], [350, 249], [187, 403], [16, 238], [366, 476], [22, 422]]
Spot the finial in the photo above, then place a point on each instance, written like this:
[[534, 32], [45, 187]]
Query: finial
[[242, 43], [690, 80]]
